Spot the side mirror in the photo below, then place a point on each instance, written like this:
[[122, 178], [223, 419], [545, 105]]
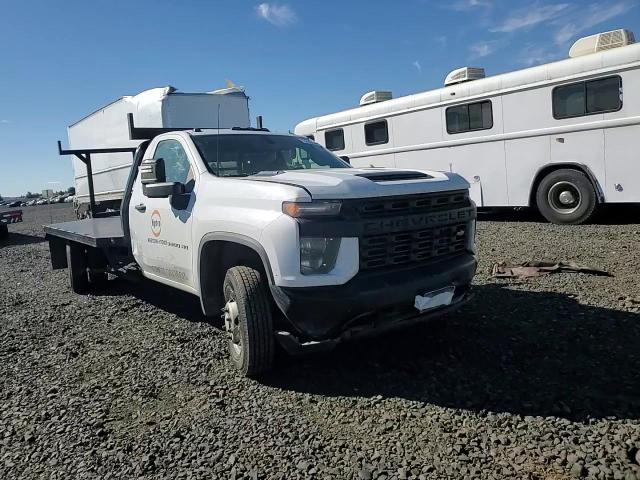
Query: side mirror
[[345, 159], [152, 171], [163, 189]]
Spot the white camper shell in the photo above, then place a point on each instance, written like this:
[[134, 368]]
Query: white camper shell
[[563, 136], [162, 107]]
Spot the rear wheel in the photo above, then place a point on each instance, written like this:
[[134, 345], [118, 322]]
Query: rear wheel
[[77, 266], [248, 321], [4, 230], [566, 196], [96, 263]]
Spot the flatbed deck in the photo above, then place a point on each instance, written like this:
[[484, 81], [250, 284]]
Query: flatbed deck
[[95, 232]]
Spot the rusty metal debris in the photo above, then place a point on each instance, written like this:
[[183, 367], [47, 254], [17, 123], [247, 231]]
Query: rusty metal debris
[[537, 269]]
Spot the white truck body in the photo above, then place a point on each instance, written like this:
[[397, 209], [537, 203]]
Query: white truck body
[[522, 136], [158, 107]]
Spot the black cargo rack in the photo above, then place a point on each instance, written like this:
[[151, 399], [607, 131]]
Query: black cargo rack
[[84, 155], [135, 133]]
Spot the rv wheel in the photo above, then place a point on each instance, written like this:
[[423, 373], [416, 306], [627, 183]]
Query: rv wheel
[[4, 230], [566, 196], [248, 322]]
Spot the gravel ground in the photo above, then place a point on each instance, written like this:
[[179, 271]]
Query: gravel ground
[[536, 379]]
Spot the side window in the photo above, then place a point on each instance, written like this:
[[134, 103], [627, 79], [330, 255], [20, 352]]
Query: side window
[[586, 98], [334, 139], [568, 101], [604, 95], [376, 133], [176, 162], [469, 117]]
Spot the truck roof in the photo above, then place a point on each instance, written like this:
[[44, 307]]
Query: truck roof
[[235, 131]]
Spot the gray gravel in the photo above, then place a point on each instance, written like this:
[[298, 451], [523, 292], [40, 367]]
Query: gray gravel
[[537, 379]]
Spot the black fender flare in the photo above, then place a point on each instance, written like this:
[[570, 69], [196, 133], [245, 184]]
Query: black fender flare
[[232, 238]]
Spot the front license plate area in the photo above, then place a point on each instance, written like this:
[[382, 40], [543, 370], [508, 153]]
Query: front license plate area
[[434, 299]]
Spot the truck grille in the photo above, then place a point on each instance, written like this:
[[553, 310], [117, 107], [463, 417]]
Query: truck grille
[[412, 247], [418, 245], [411, 204]]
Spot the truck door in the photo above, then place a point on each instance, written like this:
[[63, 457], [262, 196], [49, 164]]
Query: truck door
[[161, 227]]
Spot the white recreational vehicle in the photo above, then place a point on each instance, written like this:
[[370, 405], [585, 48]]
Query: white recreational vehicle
[[564, 136], [162, 107]]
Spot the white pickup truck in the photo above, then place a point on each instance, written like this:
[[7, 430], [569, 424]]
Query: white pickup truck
[[292, 244]]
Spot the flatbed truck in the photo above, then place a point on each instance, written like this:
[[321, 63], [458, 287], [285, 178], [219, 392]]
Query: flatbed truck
[[294, 246]]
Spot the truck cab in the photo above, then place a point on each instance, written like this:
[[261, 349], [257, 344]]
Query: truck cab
[[291, 243]]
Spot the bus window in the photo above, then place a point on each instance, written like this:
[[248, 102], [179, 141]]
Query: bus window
[[469, 117], [604, 95], [586, 98], [376, 133], [334, 139]]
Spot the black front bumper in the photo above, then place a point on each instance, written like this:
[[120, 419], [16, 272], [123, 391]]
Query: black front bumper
[[371, 302]]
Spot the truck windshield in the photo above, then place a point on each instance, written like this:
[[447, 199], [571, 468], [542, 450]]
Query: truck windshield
[[242, 155]]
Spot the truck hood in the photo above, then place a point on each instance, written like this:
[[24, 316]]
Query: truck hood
[[342, 183]]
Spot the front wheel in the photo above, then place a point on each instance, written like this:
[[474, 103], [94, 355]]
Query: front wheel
[[248, 321], [566, 196]]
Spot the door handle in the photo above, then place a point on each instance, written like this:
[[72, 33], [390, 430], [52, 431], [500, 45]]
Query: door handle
[[141, 207]]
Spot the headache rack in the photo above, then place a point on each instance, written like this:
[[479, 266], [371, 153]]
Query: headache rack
[[135, 133]]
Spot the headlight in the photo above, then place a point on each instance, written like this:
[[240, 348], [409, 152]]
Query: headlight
[[318, 255], [330, 208]]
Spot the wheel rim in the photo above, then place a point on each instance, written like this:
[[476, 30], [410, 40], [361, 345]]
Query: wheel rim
[[564, 197], [232, 322]]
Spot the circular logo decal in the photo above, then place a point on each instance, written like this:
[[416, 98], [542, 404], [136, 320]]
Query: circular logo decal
[[155, 223]]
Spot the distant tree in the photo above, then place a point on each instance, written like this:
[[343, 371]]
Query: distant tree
[[71, 190], [32, 195], [1, 199]]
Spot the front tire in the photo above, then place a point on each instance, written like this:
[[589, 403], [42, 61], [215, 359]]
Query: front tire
[[566, 196], [248, 321]]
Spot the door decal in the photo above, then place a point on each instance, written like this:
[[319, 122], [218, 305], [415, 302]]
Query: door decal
[[156, 227]]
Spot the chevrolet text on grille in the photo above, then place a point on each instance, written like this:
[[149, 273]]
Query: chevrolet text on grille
[[412, 222]]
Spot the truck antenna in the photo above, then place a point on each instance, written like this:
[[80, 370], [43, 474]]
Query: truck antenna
[[218, 144]]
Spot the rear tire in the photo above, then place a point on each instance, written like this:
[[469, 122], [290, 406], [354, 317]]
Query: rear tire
[[77, 266], [97, 280], [4, 231], [566, 196], [248, 321], [96, 263]]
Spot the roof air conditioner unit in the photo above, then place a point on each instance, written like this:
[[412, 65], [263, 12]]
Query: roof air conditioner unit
[[464, 74], [601, 41], [375, 97]]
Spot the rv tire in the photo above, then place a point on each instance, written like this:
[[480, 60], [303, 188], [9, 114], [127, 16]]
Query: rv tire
[[566, 196]]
